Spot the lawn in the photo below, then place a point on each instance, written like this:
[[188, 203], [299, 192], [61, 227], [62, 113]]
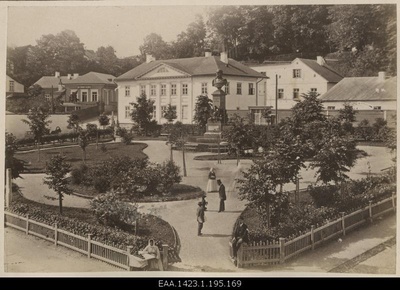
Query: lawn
[[74, 155]]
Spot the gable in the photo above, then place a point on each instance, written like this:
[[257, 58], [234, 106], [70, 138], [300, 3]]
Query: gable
[[163, 71]]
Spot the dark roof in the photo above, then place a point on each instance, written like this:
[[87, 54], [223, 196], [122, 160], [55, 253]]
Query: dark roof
[[324, 71], [47, 81], [362, 89], [93, 78], [194, 66]]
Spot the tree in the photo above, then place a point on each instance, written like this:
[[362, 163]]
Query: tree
[[365, 130], [170, 114], [238, 136], [347, 116], [16, 165], [107, 60], [104, 120], [203, 111], [92, 131], [378, 126], [142, 112], [73, 122], [38, 125], [83, 142], [177, 136], [154, 44], [57, 170]]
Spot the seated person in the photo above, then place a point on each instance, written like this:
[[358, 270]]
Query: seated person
[[240, 236], [152, 254]]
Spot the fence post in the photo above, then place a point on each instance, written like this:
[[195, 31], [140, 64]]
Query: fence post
[[89, 246], [239, 256], [165, 256], [343, 224], [55, 233], [128, 251], [27, 225], [393, 202], [281, 250], [370, 211], [312, 237]]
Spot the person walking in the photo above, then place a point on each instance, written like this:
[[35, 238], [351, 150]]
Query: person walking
[[200, 218], [212, 181], [222, 195], [240, 236]]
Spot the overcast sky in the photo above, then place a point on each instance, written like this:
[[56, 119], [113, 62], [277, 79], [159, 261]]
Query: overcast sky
[[124, 28]]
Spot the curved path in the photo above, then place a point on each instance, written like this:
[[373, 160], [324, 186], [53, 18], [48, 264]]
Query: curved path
[[208, 252]]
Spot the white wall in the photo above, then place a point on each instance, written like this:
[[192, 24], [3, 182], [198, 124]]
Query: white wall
[[385, 105], [18, 88]]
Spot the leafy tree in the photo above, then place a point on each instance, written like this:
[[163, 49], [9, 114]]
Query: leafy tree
[[73, 122], [107, 60], [347, 116], [83, 142], [104, 120], [238, 136], [38, 124], [203, 111], [92, 131], [169, 175], [154, 44], [142, 112], [57, 170], [365, 130], [170, 114], [378, 126], [177, 136], [16, 165]]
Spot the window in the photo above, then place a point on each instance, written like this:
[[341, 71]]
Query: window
[[142, 89], [204, 89], [331, 107], [163, 90], [185, 111], [127, 112], [84, 96], [296, 94], [184, 89], [11, 86], [227, 88], [297, 73], [251, 89], [94, 96], [264, 73], [280, 93], [314, 90], [127, 91], [153, 89], [173, 89], [154, 112], [239, 89], [163, 110], [377, 108]]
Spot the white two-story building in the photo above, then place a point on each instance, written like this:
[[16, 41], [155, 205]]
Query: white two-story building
[[180, 81]]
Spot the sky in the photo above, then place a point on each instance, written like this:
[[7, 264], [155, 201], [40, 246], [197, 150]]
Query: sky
[[122, 27]]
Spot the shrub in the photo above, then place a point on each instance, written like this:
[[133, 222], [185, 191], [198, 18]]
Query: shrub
[[112, 212], [170, 174], [127, 138], [323, 195], [101, 184], [78, 174], [103, 148]]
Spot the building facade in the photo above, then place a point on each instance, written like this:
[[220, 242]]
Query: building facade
[[179, 82], [287, 81], [13, 88]]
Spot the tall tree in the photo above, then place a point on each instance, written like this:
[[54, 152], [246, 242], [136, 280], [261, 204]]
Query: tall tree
[[57, 170], [38, 125], [177, 136], [73, 122], [203, 111], [108, 60], [238, 136], [154, 44], [142, 112]]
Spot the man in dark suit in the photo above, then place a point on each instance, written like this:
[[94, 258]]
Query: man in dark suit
[[200, 218], [222, 196], [240, 236]]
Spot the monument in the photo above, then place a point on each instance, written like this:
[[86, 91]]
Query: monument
[[214, 124]]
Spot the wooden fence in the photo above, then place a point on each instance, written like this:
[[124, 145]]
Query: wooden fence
[[274, 252], [84, 245]]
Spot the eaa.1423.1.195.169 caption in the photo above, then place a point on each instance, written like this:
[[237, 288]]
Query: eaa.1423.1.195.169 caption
[[199, 283]]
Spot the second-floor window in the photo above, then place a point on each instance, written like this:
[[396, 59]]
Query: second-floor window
[[127, 91], [153, 89], [281, 93], [239, 89], [184, 89], [296, 93], [11, 86], [297, 73], [204, 89], [163, 90], [227, 88], [251, 89], [173, 89], [142, 89]]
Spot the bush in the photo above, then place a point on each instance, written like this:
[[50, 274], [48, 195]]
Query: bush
[[103, 148], [323, 195], [127, 138], [112, 212], [78, 174], [170, 175], [101, 184]]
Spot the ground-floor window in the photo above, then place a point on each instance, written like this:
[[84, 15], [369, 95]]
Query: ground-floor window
[[185, 112], [127, 112], [331, 107], [84, 96]]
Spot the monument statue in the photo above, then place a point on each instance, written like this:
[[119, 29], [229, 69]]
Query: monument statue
[[219, 81]]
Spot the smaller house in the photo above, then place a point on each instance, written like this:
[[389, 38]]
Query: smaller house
[[53, 86], [14, 88], [372, 97]]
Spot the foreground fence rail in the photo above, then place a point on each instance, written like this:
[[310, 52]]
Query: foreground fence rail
[[84, 245], [274, 252]]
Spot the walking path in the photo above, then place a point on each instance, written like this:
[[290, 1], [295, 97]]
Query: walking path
[[209, 252]]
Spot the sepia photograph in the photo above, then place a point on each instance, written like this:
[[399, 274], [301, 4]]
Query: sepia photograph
[[200, 139]]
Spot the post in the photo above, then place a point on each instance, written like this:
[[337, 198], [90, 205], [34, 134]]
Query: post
[[281, 250], [128, 251], [370, 211], [343, 224], [165, 256], [55, 234], [239, 256], [312, 237], [276, 99], [89, 246], [8, 198], [27, 225]]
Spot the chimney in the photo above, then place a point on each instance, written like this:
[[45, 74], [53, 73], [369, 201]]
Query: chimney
[[149, 58], [207, 53], [224, 57], [381, 76], [320, 60], [57, 74], [75, 75], [69, 76]]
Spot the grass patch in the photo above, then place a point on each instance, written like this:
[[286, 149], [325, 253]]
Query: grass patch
[[74, 155]]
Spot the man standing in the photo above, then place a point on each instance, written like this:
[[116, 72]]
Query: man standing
[[200, 218], [222, 196], [240, 236]]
